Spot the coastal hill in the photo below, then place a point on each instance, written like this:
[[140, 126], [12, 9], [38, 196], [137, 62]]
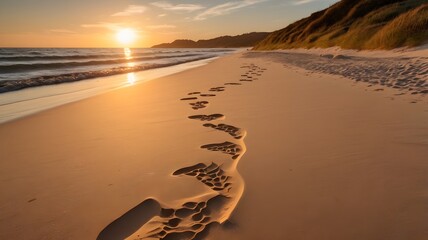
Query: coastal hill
[[244, 40], [357, 24]]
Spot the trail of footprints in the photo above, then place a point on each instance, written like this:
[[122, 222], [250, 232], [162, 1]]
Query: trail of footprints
[[408, 75], [193, 220], [252, 74]]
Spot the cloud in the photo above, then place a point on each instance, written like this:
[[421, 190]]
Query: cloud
[[161, 26], [162, 15], [226, 8], [64, 31], [179, 7], [107, 25], [130, 10], [169, 33], [301, 2], [114, 26]]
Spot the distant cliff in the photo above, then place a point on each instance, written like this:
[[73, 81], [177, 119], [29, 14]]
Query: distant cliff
[[357, 24], [244, 40]]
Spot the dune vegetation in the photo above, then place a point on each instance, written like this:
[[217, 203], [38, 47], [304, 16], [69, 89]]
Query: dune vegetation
[[357, 24]]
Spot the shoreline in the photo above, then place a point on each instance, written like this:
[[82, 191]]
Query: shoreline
[[331, 152], [24, 102], [11, 110]]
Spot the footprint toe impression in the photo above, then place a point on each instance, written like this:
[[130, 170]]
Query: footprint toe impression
[[207, 117], [212, 176], [225, 147], [231, 130], [199, 105]]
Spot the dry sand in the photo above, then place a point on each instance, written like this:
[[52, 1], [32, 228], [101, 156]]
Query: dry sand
[[268, 150]]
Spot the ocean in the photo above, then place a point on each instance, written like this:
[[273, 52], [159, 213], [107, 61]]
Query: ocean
[[25, 67], [33, 80]]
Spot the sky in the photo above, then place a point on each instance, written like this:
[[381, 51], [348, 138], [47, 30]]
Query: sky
[[95, 23]]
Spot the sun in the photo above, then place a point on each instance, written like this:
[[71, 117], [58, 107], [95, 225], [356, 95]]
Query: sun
[[126, 36]]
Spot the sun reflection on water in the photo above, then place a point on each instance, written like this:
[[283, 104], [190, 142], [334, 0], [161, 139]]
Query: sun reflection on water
[[131, 78], [128, 53]]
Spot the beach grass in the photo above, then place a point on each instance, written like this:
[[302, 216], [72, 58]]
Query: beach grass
[[352, 24], [410, 29]]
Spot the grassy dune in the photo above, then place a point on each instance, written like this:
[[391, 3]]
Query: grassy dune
[[357, 24]]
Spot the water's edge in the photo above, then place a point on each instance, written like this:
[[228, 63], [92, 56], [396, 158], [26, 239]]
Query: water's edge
[[25, 102]]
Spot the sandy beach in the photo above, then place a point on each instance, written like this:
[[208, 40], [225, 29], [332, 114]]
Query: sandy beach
[[253, 145]]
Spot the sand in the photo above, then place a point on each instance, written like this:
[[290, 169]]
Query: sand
[[249, 146]]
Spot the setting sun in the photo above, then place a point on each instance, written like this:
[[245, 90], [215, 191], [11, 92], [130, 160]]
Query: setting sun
[[126, 36]]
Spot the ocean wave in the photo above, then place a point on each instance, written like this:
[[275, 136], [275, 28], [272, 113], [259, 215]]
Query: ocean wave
[[35, 53], [6, 56], [55, 65], [13, 85], [69, 57]]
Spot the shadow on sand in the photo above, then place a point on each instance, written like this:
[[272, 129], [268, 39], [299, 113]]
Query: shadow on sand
[[131, 221]]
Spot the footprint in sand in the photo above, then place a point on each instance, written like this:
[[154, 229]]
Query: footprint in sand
[[207, 95], [207, 117], [190, 222], [233, 83], [127, 224], [217, 89], [194, 218], [188, 98], [226, 148], [199, 105], [212, 176], [198, 93], [231, 130]]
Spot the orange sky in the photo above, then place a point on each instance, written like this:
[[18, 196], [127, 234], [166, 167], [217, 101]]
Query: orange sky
[[94, 23]]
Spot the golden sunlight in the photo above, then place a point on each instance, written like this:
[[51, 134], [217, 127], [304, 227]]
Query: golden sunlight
[[131, 78], [128, 53], [126, 36]]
